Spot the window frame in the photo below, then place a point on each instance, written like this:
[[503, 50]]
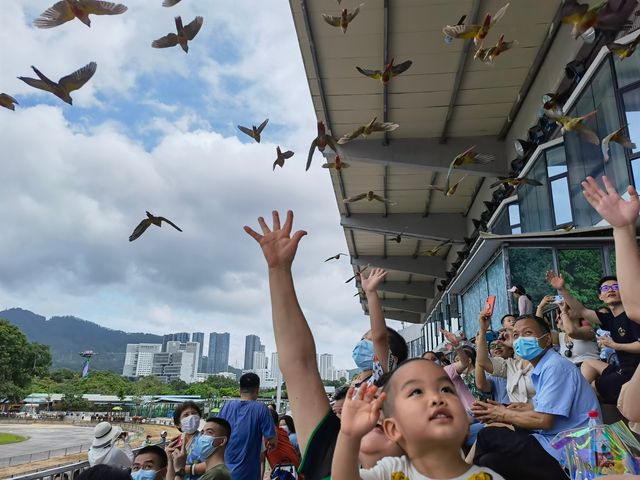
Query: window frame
[[550, 179]]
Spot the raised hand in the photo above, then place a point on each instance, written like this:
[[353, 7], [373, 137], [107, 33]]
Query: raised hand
[[361, 412], [372, 282], [485, 322], [451, 337], [179, 456], [556, 280], [611, 206], [278, 246]]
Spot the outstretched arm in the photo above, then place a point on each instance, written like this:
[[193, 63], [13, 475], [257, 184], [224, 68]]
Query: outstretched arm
[[294, 341], [379, 335], [557, 281], [482, 352], [622, 215]]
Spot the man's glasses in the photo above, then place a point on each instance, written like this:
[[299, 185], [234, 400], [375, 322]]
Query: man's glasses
[[607, 288]]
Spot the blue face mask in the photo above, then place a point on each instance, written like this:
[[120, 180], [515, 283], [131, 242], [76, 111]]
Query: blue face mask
[[204, 445], [144, 475], [528, 347], [363, 354]]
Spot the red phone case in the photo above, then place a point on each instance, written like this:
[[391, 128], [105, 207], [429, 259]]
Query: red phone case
[[489, 305]]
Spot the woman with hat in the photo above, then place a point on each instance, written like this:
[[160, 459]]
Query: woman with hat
[[525, 305], [103, 450]]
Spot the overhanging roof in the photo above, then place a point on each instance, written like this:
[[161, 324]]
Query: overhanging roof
[[445, 103]]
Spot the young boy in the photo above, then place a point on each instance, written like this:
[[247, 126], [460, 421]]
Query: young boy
[[423, 415]]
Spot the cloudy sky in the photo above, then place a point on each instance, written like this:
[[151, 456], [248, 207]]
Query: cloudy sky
[[156, 130]]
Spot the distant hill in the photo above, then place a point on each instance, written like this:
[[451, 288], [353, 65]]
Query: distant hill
[[67, 336]]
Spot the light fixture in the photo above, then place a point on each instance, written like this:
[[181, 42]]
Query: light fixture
[[575, 70], [589, 36], [536, 134], [522, 147]]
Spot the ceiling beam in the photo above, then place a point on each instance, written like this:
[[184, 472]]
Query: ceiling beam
[[429, 153], [414, 289], [429, 266], [409, 305], [437, 226], [472, 19], [408, 317]]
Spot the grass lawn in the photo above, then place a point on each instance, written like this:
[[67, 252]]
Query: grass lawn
[[6, 438]]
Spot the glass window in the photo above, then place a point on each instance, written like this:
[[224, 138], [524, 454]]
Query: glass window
[[612, 260], [528, 267], [582, 268], [561, 202], [535, 210], [556, 161], [635, 167], [627, 70], [631, 100], [497, 281], [514, 215]]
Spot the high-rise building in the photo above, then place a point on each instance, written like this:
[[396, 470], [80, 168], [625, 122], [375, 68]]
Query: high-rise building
[[275, 366], [259, 361], [251, 344], [191, 349], [199, 337], [175, 337], [138, 360], [168, 366], [218, 352], [325, 366]]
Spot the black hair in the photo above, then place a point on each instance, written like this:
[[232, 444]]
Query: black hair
[[181, 408], [505, 316], [606, 278], [226, 426], [272, 406], [429, 351], [104, 472], [397, 345], [156, 450], [340, 393], [471, 353], [541, 323], [444, 361], [289, 421], [384, 383], [274, 416]]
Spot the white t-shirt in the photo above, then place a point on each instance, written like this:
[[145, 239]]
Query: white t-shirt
[[400, 468]]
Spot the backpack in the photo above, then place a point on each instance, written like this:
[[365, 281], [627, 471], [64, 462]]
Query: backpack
[[284, 471]]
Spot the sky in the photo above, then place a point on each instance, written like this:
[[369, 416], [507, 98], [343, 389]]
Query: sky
[[155, 129]]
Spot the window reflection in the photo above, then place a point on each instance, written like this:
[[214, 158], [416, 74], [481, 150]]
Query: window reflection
[[561, 203], [635, 167], [631, 101]]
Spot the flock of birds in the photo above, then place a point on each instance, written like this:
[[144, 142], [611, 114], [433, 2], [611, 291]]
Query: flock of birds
[[581, 16]]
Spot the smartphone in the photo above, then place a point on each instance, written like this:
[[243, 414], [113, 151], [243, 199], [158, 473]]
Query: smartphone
[[489, 305], [558, 299]]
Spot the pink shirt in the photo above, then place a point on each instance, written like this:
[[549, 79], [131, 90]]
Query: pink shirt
[[464, 394]]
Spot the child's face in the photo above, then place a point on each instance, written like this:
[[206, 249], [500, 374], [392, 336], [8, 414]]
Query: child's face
[[425, 408]]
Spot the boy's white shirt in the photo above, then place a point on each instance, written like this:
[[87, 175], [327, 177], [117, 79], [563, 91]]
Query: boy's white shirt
[[400, 468]]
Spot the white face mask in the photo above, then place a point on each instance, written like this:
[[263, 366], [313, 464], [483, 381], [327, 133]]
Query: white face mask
[[190, 424]]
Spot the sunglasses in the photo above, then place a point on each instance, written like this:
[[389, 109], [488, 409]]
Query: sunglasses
[[606, 288]]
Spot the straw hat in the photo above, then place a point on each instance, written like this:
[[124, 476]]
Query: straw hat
[[104, 433]]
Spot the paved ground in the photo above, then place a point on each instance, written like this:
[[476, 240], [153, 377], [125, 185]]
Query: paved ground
[[43, 437]]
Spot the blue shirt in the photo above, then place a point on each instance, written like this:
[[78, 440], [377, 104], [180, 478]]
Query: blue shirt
[[499, 389], [563, 392], [250, 421]]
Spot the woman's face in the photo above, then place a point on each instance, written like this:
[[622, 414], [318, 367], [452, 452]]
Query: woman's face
[[282, 423], [188, 412]]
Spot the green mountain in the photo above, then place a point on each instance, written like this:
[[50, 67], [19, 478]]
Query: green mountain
[[67, 336]]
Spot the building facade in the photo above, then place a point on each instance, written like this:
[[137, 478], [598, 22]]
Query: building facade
[[251, 344], [218, 352], [138, 360], [199, 337], [176, 365], [325, 366]]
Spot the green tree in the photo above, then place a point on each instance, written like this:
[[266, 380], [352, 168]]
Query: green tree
[[20, 361], [582, 268]]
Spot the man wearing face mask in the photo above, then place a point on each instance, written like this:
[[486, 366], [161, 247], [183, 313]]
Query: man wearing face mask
[[211, 445], [562, 401], [150, 463]]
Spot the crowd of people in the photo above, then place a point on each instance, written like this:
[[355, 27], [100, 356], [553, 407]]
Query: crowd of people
[[487, 410]]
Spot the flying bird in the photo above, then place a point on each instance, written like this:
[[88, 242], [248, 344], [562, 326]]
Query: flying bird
[[343, 20], [320, 142], [477, 32], [433, 251], [616, 137], [366, 130], [65, 85], [370, 196], [358, 273], [390, 70], [66, 10], [488, 55], [448, 39], [170, 3], [515, 182], [254, 132], [184, 36], [575, 124], [451, 191], [337, 164], [151, 219], [583, 17], [336, 257], [467, 157], [624, 50], [7, 101], [281, 157]]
